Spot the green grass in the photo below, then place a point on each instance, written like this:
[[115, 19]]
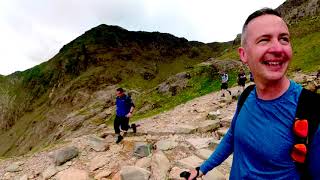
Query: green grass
[[306, 53], [203, 81]]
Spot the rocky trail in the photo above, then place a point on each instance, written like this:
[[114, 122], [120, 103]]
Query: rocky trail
[[163, 147]]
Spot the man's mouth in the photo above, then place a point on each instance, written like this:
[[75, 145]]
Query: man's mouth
[[272, 63]]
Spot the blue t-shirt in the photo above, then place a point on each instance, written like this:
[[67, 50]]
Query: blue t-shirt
[[261, 140], [123, 104]]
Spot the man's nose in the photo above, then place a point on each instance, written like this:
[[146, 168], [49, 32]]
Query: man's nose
[[276, 46]]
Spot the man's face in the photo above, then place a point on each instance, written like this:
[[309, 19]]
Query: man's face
[[119, 93], [267, 49]]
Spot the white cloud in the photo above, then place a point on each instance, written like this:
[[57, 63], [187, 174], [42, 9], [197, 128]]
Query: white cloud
[[34, 31]]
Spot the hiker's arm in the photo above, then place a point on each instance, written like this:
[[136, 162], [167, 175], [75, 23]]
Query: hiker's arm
[[131, 108], [222, 152]]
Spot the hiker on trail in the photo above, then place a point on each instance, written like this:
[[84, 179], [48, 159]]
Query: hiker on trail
[[224, 83], [242, 79], [264, 134], [124, 110]]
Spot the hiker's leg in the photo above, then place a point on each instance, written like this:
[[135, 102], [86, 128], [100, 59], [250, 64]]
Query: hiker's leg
[[134, 128], [125, 124], [116, 125]]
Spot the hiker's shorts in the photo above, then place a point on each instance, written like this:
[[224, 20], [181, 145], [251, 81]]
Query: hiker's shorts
[[224, 86], [242, 82], [121, 122]]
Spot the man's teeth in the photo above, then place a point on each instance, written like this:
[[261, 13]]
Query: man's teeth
[[272, 63]]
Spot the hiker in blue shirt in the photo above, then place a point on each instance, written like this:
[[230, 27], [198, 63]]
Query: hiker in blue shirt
[[124, 110], [261, 136]]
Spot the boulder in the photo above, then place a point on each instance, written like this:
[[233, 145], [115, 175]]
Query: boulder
[[144, 162], [97, 144], [142, 149], [209, 125], [160, 165], [166, 144], [64, 155], [14, 167], [134, 173]]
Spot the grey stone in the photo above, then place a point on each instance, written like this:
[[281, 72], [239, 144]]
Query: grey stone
[[166, 145], [144, 162], [160, 165], [209, 125], [142, 149], [97, 144], [14, 167], [65, 154], [134, 173], [185, 129]]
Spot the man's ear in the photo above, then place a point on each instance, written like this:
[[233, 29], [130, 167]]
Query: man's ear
[[243, 55]]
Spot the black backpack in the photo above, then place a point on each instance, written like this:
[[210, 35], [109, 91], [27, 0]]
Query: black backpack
[[307, 108]]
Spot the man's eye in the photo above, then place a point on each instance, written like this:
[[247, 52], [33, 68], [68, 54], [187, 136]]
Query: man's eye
[[284, 40], [263, 40]]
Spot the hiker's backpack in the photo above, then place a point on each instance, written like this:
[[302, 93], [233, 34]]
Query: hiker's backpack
[[304, 128]]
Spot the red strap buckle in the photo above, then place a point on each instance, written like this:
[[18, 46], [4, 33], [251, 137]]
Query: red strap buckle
[[299, 153], [300, 128]]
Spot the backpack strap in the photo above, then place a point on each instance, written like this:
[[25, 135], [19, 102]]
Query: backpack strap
[[244, 96], [307, 110], [241, 101]]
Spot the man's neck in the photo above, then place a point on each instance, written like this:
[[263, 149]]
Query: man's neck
[[272, 90]]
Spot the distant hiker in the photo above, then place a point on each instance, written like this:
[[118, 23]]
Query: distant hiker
[[274, 133], [124, 111], [224, 83], [251, 77], [242, 79]]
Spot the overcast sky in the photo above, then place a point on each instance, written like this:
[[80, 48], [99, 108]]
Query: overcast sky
[[33, 31]]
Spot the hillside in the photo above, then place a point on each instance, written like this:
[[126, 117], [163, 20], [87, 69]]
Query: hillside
[[38, 103], [181, 138]]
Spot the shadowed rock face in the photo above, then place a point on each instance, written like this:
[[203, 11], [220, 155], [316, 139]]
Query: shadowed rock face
[[294, 10]]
